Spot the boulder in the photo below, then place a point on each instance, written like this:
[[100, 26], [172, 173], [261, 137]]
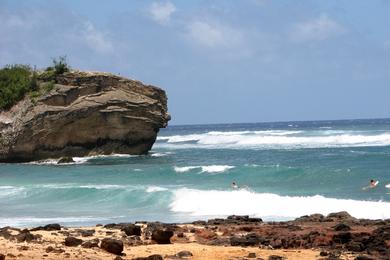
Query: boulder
[[25, 236], [132, 230], [342, 237], [48, 227], [86, 113], [251, 239], [162, 236], [341, 227], [66, 159], [184, 253], [91, 243], [151, 257], [111, 245], [72, 241]]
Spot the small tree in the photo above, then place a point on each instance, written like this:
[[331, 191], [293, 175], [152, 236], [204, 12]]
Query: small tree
[[60, 65]]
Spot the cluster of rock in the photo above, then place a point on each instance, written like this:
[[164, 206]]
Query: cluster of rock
[[86, 113], [334, 235]]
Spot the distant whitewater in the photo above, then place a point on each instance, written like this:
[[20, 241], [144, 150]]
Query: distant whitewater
[[283, 170]]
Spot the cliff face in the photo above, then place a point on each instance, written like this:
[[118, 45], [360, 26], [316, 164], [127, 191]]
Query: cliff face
[[84, 114]]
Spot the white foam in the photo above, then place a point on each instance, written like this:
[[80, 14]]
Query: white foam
[[28, 221], [276, 139], [81, 160], [160, 154], [6, 191], [271, 206], [206, 168], [185, 168], [388, 186], [155, 189]]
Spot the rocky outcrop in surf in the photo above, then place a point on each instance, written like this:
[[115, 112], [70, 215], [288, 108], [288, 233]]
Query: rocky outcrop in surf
[[83, 113]]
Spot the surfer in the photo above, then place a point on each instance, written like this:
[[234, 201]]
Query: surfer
[[234, 185], [373, 184]]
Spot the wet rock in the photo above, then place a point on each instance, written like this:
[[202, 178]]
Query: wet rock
[[162, 236], [72, 241], [91, 243], [112, 245], [49, 227], [151, 257], [342, 238], [184, 253], [132, 230], [342, 227], [65, 159]]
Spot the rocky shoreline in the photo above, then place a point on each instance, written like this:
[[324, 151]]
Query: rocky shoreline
[[336, 236]]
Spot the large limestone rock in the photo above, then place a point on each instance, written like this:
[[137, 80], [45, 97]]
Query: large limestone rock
[[86, 113]]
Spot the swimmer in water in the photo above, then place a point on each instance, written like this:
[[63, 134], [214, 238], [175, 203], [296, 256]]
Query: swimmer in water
[[234, 185], [373, 184]]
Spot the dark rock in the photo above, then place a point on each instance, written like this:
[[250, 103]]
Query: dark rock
[[23, 248], [251, 255], [162, 236], [180, 234], [355, 246], [275, 257], [184, 253], [49, 227], [25, 236], [342, 227], [118, 258], [86, 232], [251, 239], [151, 257], [112, 245], [342, 238], [2, 257], [5, 233], [91, 243], [51, 249], [324, 253], [132, 230], [363, 257], [72, 241], [343, 215], [66, 159], [311, 218]]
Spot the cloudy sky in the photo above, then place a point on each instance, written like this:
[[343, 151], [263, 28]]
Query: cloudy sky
[[220, 61]]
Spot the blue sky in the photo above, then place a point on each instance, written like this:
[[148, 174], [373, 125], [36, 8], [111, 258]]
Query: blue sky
[[220, 61]]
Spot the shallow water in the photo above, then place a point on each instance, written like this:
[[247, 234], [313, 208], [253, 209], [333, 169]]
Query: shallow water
[[285, 170]]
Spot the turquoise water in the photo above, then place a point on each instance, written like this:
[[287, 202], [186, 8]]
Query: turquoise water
[[285, 170]]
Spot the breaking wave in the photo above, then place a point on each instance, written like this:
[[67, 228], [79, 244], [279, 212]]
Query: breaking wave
[[208, 169], [275, 139], [270, 206]]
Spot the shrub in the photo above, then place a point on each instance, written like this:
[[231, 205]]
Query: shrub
[[60, 65], [15, 81]]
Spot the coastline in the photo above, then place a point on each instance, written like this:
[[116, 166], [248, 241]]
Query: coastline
[[336, 236]]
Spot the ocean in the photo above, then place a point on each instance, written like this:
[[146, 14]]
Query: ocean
[[283, 170]]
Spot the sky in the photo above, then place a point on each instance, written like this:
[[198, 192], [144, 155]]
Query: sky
[[220, 61]]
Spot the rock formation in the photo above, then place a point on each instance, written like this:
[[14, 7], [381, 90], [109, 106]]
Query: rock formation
[[85, 113]]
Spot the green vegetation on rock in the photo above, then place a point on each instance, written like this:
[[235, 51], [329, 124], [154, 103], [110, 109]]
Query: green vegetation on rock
[[18, 80]]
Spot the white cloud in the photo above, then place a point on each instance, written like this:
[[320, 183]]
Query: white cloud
[[318, 29], [161, 12], [96, 40], [213, 34]]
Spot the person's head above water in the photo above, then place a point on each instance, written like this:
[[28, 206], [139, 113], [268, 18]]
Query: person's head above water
[[372, 181]]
